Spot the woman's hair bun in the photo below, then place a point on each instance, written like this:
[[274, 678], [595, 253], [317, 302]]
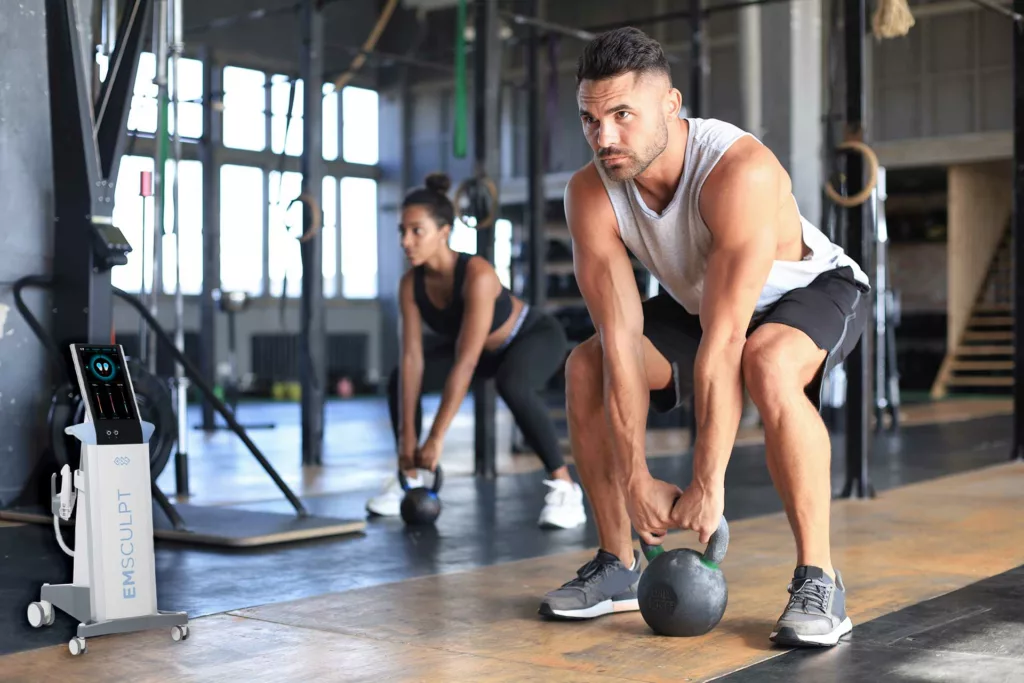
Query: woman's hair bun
[[438, 182]]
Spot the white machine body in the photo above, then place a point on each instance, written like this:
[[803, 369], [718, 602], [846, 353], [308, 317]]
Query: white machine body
[[114, 581]]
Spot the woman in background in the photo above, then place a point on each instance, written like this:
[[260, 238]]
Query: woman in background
[[483, 329]]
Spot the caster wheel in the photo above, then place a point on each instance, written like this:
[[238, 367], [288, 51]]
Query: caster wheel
[[179, 633], [77, 646], [40, 614]]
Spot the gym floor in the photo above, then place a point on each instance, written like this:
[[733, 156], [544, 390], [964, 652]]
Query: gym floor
[[933, 566]]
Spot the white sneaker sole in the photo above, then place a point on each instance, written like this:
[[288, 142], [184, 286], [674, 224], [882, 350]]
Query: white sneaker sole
[[383, 510], [562, 521], [599, 610], [821, 640]]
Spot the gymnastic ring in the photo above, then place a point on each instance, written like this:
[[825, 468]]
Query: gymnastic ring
[[318, 215], [471, 190], [862, 196]]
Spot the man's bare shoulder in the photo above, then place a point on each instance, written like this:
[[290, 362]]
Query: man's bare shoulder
[[587, 205], [748, 173]]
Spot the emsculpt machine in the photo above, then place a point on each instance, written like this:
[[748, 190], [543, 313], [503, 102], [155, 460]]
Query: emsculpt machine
[[114, 589]]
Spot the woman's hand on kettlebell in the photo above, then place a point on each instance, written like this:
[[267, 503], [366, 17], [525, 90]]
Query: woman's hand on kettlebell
[[649, 503], [429, 454], [700, 508], [407, 454]]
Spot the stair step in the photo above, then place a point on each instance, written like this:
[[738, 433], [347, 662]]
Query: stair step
[[971, 365], [994, 308], [968, 381], [1000, 350], [1002, 335], [992, 321]]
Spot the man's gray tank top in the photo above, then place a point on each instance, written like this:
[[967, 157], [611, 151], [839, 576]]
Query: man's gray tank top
[[674, 244]]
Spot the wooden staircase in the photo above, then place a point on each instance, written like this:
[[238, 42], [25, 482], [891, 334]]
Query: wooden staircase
[[982, 363]]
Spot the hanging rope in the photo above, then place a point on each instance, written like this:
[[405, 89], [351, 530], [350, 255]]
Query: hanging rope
[[371, 42]]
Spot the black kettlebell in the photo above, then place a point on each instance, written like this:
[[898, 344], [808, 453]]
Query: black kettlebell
[[682, 592], [420, 505]]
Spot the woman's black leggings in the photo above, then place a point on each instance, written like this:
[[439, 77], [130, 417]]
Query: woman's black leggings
[[520, 371]]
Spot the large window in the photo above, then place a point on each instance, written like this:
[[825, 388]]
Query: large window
[[139, 229], [359, 111], [245, 107], [464, 239], [358, 238], [241, 229], [143, 114], [129, 218], [330, 127], [330, 236], [190, 227], [191, 98], [285, 255], [282, 90]]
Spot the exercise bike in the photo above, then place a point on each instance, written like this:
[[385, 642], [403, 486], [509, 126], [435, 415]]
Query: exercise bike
[[114, 584]]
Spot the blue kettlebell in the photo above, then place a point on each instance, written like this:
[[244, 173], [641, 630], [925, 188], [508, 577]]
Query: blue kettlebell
[[683, 592], [420, 506]]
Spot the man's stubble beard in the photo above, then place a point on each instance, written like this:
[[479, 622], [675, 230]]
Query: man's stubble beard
[[639, 164]]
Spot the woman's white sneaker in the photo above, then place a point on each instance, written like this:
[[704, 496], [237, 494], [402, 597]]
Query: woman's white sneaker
[[563, 505], [388, 502]]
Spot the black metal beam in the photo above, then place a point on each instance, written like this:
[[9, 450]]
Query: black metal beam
[[211, 231], [858, 483], [83, 307], [115, 97], [1018, 233], [313, 355], [486, 150], [535, 201]]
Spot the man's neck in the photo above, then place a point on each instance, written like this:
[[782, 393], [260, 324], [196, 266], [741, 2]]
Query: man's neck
[[661, 179]]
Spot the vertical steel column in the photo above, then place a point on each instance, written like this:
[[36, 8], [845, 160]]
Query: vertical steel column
[[858, 483], [313, 348], [1018, 234], [486, 151], [535, 203], [83, 307], [211, 226], [696, 59]]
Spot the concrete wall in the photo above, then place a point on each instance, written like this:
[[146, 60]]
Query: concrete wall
[[26, 202]]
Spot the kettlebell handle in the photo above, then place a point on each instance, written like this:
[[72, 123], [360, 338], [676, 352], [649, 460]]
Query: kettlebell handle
[[438, 479], [713, 554]]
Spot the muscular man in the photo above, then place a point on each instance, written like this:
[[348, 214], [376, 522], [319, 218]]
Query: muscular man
[[757, 297]]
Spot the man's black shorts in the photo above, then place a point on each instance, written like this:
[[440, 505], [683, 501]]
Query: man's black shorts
[[833, 311]]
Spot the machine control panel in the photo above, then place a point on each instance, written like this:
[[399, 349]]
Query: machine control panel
[[108, 394]]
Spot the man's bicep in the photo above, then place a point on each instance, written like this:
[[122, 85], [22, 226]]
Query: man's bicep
[[742, 218]]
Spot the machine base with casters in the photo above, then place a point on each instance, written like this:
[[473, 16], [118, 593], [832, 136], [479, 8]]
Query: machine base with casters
[[74, 600], [114, 585]]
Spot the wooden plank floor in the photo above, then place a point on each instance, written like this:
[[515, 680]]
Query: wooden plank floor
[[908, 545]]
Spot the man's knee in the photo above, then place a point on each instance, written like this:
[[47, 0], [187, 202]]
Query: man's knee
[[776, 366], [583, 372]]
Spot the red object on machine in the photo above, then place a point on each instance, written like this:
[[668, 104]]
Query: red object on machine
[[146, 184]]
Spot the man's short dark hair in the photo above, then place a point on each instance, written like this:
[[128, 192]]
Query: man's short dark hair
[[621, 51]]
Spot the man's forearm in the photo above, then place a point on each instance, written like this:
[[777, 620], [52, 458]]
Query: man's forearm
[[455, 389], [718, 396], [626, 402]]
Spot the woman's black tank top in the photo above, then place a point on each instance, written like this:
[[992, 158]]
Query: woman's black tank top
[[448, 321]]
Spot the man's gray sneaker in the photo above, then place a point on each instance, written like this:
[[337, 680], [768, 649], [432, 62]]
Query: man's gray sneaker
[[602, 586], [816, 613]]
